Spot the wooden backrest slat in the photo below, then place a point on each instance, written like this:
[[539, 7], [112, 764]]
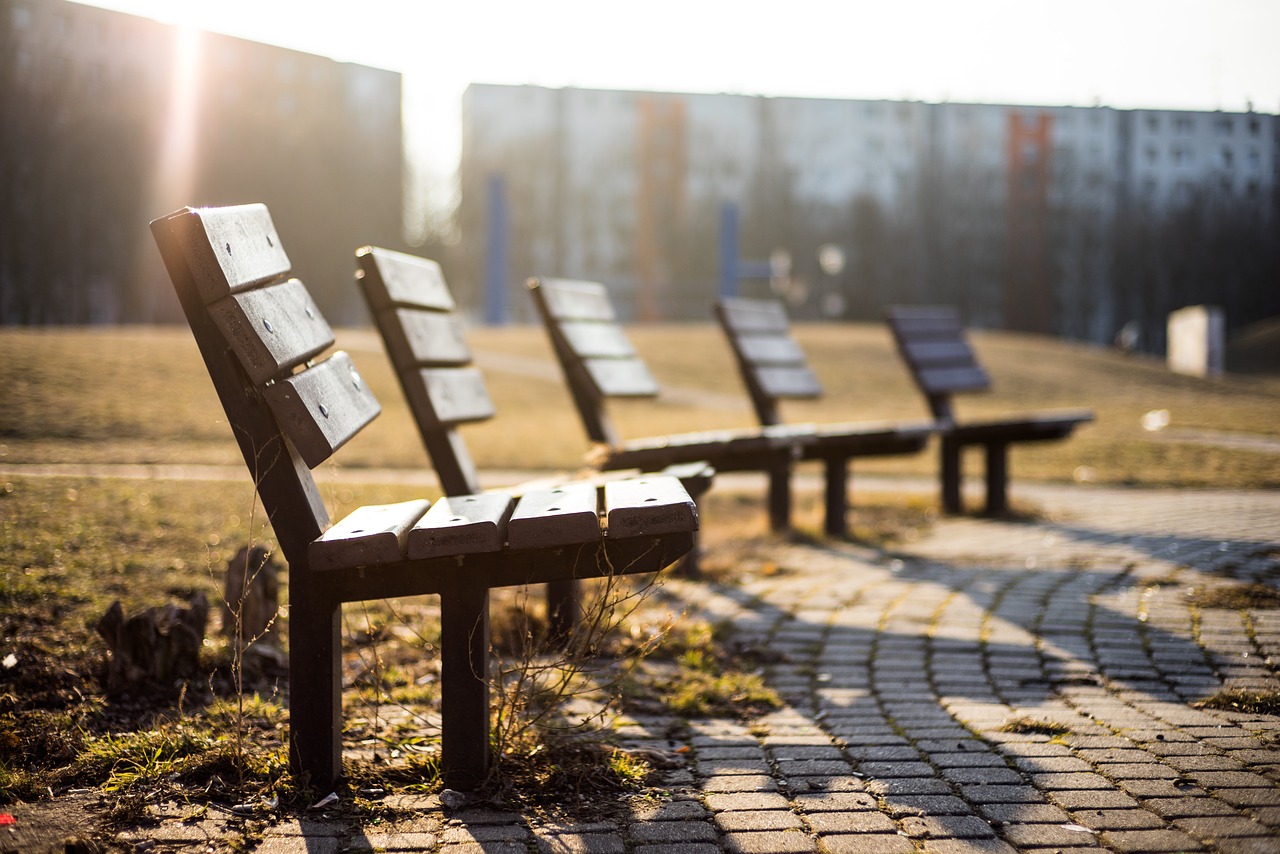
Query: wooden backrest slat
[[231, 249], [567, 299], [448, 396], [743, 316], [392, 278], [621, 377], [321, 408], [597, 340], [272, 329], [648, 506], [776, 350], [462, 524], [932, 342], [789, 383], [416, 338]]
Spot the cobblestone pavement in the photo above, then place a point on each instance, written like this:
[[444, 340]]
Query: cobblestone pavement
[[996, 686]]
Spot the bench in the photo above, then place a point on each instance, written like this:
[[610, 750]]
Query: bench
[[415, 314], [599, 362], [932, 342], [261, 337], [774, 368]]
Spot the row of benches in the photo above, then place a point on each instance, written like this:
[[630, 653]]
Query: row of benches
[[261, 338]]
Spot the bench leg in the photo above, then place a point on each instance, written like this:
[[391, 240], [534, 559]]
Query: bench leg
[[464, 686], [950, 475], [837, 497], [997, 478], [564, 598], [780, 497], [315, 690]]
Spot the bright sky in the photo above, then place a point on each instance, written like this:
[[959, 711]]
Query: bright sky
[[1187, 54]]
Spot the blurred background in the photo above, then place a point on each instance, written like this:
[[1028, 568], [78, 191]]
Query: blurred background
[[1079, 169]]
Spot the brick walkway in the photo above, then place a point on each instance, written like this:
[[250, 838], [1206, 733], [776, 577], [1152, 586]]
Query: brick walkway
[[995, 687]]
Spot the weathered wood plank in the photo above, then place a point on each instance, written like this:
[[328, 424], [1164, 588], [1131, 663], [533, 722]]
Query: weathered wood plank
[[231, 249], [392, 278], [272, 329], [621, 377], [925, 321], [462, 524], [321, 408], [597, 340], [795, 383], [753, 316], [770, 350], [648, 506], [417, 338], [376, 533], [564, 516], [938, 351], [949, 380], [452, 395], [567, 299]]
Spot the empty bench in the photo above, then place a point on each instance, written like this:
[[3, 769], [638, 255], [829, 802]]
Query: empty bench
[[932, 342], [599, 363], [425, 339], [774, 369], [261, 338]]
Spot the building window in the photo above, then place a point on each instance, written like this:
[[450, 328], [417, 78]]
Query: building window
[[1223, 125], [1228, 158], [1182, 124], [1153, 123]]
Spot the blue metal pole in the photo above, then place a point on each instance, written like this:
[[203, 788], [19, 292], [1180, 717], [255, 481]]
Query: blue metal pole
[[495, 268], [728, 250]]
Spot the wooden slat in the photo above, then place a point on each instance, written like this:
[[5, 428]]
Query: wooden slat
[[771, 350], [753, 315], [450, 395], [418, 338], [231, 249], [462, 524], [322, 407], [272, 329], [595, 340], [938, 351], [796, 383], [373, 534], [567, 299], [394, 278], [950, 380], [563, 516], [648, 506], [622, 377], [916, 321]]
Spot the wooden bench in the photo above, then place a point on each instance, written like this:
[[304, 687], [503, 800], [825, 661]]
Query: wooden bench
[[599, 362], [260, 336], [425, 339], [774, 368], [932, 342]]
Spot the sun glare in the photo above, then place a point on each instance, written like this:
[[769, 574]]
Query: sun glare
[[175, 168]]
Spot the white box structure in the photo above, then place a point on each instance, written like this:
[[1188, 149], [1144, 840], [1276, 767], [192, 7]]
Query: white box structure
[[1197, 341]]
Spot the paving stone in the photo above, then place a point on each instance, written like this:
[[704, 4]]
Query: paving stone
[[394, 842], [1078, 799], [740, 783], [298, 845], [860, 821], [866, 843], [730, 767], [900, 805], [894, 770], [678, 848], [676, 810], [581, 843], [1055, 835], [742, 820], [979, 794], [1150, 841], [833, 801], [651, 832], [1121, 819], [947, 827], [1268, 797], [966, 846], [1024, 813], [910, 786], [770, 842], [484, 833], [1070, 781], [985, 776], [747, 801]]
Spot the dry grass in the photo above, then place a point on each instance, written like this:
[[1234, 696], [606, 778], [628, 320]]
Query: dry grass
[[141, 395]]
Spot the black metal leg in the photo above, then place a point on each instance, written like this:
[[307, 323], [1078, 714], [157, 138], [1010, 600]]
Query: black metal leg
[[950, 475], [315, 689], [464, 678], [837, 497], [564, 606], [997, 478], [780, 496]]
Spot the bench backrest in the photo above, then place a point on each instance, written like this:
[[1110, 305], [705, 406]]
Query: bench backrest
[[598, 359], [259, 333], [770, 360], [426, 342], [932, 342]]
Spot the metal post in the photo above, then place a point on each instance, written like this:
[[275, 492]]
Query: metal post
[[728, 250], [495, 272]]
